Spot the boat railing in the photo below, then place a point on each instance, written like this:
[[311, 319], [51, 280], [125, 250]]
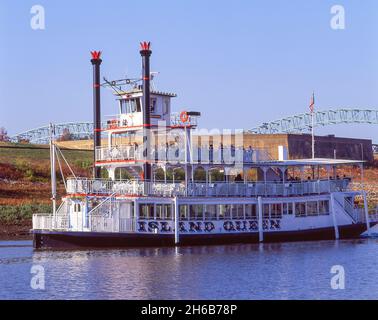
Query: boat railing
[[96, 223], [176, 154], [203, 189]]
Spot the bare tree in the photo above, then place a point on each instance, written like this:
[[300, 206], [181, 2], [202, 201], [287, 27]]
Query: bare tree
[[4, 135]]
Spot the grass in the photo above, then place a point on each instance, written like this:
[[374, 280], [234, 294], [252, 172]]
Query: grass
[[16, 215]]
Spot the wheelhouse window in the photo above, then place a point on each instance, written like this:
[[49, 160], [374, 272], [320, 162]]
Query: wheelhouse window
[[130, 105], [211, 212], [153, 105], [250, 211]]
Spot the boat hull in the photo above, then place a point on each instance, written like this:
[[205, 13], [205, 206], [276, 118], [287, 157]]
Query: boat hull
[[74, 240]]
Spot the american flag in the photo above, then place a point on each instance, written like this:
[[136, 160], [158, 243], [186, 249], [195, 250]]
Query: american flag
[[312, 103]]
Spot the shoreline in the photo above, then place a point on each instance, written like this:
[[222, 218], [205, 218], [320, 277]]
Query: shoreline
[[16, 232]]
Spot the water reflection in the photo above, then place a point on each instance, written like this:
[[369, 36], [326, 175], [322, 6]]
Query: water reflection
[[250, 271]]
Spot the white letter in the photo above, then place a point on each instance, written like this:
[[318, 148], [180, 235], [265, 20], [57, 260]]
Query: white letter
[[38, 20], [338, 20], [38, 281], [338, 280]]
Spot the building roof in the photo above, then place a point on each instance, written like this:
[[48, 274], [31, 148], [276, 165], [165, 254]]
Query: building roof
[[310, 162], [137, 90]]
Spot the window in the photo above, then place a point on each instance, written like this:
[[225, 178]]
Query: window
[[276, 210], [146, 211], [266, 211], [166, 106], [287, 208], [163, 211], [211, 212], [183, 212], [312, 208], [323, 207], [224, 211], [196, 212], [153, 105], [159, 211], [130, 105], [250, 211], [77, 207], [237, 211], [300, 209]]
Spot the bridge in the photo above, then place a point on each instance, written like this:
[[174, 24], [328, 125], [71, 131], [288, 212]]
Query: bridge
[[293, 124], [302, 122]]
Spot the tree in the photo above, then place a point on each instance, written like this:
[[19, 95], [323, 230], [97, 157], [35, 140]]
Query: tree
[[66, 135], [4, 135]]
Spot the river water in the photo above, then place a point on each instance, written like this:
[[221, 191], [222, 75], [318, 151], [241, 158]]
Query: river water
[[300, 270]]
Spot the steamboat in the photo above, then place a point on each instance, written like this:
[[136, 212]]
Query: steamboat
[[131, 201]]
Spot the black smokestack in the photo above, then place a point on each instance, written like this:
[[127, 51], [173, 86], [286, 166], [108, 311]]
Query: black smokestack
[[96, 62], [145, 52]]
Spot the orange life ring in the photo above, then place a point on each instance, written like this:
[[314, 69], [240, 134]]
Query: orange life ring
[[184, 117]]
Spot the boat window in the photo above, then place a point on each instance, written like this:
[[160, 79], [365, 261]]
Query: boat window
[[312, 208], [266, 211], [159, 212], [300, 209], [196, 212], [167, 211], [224, 211], [146, 211], [276, 210], [323, 207], [183, 211], [250, 211], [287, 208], [166, 106], [130, 105], [237, 211], [211, 212], [153, 105]]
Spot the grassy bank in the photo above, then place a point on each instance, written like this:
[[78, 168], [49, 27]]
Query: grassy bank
[[25, 183], [16, 221]]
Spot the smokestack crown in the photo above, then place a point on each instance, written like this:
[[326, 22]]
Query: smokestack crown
[[96, 57], [145, 48]]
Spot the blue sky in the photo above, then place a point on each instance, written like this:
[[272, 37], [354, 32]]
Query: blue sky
[[240, 62]]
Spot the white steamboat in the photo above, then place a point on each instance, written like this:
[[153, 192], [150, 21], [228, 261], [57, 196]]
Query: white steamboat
[[257, 200]]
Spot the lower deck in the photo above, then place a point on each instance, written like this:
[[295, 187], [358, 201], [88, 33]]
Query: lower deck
[[72, 240], [154, 220]]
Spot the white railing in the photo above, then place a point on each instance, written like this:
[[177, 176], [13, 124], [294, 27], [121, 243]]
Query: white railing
[[176, 154], [42, 221], [197, 189], [96, 224]]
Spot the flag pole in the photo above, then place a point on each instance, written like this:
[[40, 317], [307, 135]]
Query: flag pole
[[312, 105], [312, 133]]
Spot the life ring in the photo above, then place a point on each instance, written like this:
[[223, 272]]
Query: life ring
[[184, 117]]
